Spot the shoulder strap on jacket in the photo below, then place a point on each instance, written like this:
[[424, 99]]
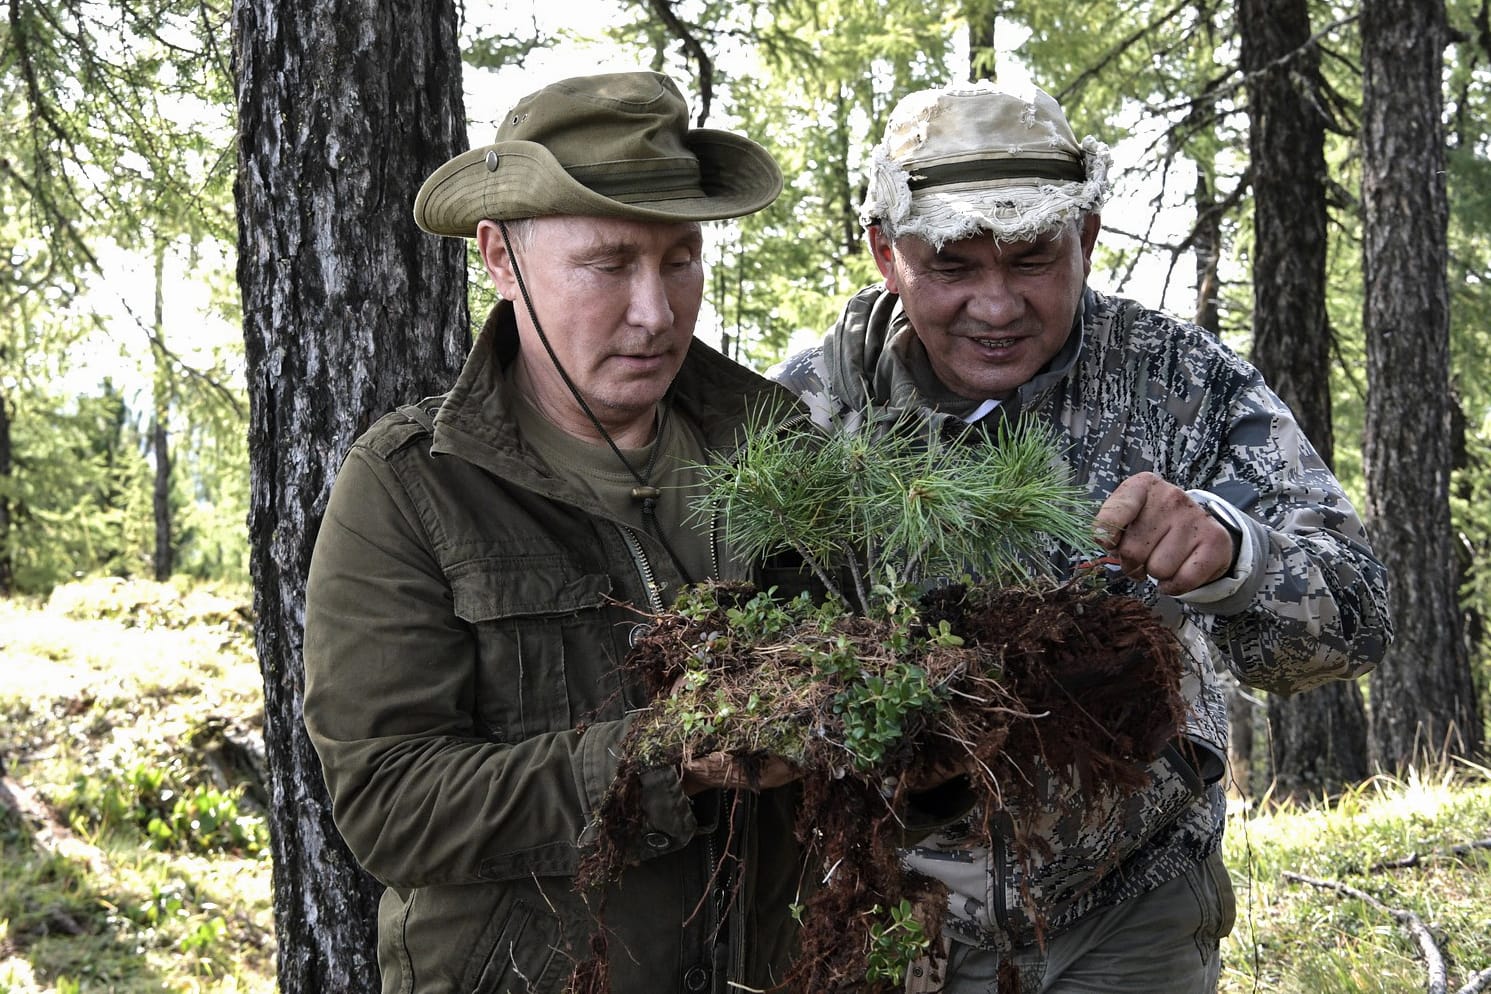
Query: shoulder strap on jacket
[[422, 413]]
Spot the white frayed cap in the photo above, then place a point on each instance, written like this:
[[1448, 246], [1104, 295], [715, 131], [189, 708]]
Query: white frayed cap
[[979, 157]]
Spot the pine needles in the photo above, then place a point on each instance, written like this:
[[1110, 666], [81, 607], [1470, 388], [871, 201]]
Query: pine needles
[[897, 503]]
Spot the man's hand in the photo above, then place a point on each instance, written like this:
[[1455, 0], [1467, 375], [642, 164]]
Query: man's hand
[[721, 770], [1155, 528]]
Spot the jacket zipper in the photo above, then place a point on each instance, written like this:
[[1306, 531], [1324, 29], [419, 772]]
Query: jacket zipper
[[644, 568], [1002, 824], [711, 851], [716, 534], [747, 801], [716, 913]]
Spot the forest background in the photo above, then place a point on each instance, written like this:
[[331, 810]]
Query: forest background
[[214, 283]]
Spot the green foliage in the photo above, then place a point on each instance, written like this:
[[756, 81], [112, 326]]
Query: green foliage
[[896, 504], [870, 699], [79, 495], [876, 708], [170, 813], [895, 943], [116, 140]]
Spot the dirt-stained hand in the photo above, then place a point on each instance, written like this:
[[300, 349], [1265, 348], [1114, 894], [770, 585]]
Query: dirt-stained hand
[[1155, 528], [722, 770]]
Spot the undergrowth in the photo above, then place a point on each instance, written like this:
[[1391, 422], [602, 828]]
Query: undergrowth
[[138, 861], [1419, 844]]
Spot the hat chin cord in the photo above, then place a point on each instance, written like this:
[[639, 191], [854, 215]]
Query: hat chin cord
[[644, 490]]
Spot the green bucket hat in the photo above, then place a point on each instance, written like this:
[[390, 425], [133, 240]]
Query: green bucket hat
[[610, 145]]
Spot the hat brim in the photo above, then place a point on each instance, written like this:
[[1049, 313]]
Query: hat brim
[[736, 177], [1014, 211]]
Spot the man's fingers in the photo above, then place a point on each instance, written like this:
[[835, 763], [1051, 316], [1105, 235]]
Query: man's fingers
[[1122, 508], [724, 771], [1155, 529]]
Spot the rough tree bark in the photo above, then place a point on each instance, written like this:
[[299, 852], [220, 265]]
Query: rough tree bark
[[1208, 252], [349, 310], [1423, 699], [1318, 739]]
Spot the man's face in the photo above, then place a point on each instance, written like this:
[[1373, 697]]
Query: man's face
[[989, 314], [617, 300]]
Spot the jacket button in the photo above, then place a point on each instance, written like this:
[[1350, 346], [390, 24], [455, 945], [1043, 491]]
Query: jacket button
[[697, 979], [656, 840]]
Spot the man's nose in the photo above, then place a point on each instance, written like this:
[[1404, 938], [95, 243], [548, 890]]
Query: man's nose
[[996, 302], [650, 307]]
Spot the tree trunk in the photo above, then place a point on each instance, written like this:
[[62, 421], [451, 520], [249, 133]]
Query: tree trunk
[[1208, 252], [1318, 739], [160, 444], [348, 310], [1242, 707], [983, 27], [160, 439], [1423, 699], [7, 471]]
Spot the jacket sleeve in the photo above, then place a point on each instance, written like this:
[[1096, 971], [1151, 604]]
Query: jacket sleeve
[[421, 794], [1312, 604]]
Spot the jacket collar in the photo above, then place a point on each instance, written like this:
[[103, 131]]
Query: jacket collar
[[475, 421], [872, 360]]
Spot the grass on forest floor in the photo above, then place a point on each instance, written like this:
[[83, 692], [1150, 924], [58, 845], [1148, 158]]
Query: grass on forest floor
[[140, 863], [106, 690], [1297, 937]]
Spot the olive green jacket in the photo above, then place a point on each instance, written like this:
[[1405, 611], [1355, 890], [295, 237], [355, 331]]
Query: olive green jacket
[[466, 612]]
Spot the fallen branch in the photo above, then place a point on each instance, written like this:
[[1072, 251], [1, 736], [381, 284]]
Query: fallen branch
[[1414, 859], [1477, 983], [1423, 937]]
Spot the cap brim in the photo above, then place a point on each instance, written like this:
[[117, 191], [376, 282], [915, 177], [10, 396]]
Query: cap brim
[[736, 177]]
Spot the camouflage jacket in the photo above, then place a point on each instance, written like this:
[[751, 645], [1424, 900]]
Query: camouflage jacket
[[1134, 390]]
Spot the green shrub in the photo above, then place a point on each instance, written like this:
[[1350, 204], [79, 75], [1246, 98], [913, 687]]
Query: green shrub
[[150, 799]]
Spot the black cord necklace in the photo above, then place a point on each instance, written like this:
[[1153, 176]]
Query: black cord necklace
[[644, 490]]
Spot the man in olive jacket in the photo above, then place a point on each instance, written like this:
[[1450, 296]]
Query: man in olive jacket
[[485, 556]]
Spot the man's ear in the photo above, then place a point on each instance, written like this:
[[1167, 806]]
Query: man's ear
[[883, 251], [494, 256]]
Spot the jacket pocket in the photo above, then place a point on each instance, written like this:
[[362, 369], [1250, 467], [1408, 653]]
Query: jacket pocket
[[469, 940], [541, 628], [519, 954], [1076, 843]]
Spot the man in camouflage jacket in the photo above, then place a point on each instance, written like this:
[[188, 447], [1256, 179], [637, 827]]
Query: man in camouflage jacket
[[981, 215]]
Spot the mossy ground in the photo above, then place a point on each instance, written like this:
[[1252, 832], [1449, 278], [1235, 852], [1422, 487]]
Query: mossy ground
[[979, 681]]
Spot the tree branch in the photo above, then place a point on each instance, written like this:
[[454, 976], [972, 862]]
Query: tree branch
[[1422, 936], [1414, 859], [691, 44]]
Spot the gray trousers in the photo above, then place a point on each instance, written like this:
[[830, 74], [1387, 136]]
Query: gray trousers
[[1164, 942]]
